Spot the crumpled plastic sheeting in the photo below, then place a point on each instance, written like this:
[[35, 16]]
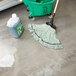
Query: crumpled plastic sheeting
[[6, 53], [45, 35]]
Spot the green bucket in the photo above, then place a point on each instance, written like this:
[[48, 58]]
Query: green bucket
[[43, 1], [43, 7], [26, 2]]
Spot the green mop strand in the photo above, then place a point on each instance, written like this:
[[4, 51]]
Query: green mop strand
[[46, 33]]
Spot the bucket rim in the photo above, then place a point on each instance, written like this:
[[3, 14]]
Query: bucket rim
[[52, 1]]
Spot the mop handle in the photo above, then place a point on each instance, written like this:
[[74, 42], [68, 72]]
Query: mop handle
[[56, 6], [52, 16]]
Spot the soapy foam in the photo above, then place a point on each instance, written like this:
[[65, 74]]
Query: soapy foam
[[7, 51]]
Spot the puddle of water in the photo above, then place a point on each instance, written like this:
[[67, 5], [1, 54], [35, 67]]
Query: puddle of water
[[7, 51]]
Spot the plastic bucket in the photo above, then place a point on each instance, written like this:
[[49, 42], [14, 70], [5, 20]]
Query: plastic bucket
[[26, 2], [40, 8], [43, 1]]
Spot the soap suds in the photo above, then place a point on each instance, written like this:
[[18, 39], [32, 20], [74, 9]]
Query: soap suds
[[7, 51]]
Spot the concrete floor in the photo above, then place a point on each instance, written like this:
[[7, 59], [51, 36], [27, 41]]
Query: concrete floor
[[30, 54]]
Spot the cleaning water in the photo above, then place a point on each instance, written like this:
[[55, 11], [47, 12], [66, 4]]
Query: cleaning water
[[15, 26]]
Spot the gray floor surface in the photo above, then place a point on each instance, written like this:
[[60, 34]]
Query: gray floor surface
[[65, 21]]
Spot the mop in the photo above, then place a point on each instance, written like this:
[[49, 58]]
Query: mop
[[46, 33]]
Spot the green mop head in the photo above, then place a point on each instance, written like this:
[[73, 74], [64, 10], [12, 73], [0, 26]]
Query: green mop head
[[45, 35]]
